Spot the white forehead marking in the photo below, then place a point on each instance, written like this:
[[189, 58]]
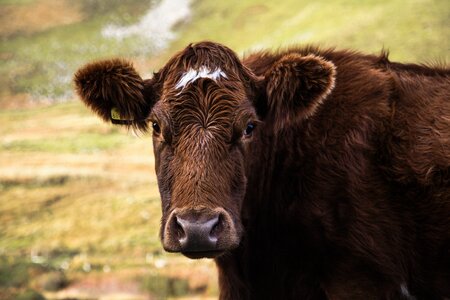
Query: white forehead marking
[[203, 72]]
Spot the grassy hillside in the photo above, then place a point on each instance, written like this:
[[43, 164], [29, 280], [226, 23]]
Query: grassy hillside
[[80, 198], [40, 50], [44, 42], [79, 206], [411, 30]]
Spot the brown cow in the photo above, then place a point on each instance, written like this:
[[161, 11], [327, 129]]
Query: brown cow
[[305, 173]]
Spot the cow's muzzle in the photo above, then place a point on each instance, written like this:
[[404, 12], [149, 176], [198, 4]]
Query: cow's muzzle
[[199, 233]]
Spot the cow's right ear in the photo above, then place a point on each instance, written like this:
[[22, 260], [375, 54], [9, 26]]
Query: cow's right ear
[[116, 93]]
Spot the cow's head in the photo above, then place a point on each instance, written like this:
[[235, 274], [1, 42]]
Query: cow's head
[[204, 106]]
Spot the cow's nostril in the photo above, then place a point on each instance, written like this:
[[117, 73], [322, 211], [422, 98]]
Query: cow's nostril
[[217, 228], [179, 230], [213, 224]]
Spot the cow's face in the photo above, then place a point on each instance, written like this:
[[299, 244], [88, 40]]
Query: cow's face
[[202, 107], [202, 127]]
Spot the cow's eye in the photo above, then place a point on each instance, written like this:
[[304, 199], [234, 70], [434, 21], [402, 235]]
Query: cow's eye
[[156, 128], [249, 130]]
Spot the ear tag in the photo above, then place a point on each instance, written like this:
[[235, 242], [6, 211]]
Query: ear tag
[[115, 114], [117, 119]]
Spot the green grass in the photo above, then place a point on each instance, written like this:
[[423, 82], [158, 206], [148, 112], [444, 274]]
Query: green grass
[[39, 207], [15, 2], [80, 143], [75, 198], [61, 128], [45, 220], [45, 62], [42, 64], [411, 30], [64, 128], [77, 192]]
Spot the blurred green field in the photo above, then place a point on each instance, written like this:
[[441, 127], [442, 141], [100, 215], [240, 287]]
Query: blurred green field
[[38, 60], [79, 205], [412, 30], [79, 197]]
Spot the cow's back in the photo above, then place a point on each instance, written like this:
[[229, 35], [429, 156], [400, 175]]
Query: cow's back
[[419, 143]]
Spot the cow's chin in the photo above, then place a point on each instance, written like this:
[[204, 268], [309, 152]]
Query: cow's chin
[[204, 254]]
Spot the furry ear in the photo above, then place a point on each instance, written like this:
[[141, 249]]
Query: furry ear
[[296, 85], [114, 91]]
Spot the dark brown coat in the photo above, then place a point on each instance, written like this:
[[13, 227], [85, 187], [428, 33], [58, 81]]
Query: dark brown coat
[[305, 173]]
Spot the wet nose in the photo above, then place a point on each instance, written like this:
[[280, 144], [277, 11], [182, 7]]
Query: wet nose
[[198, 234]]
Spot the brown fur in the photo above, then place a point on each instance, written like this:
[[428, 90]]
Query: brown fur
[[341, 192]]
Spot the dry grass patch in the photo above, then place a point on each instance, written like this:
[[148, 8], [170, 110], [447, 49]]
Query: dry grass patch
[[38, 16]]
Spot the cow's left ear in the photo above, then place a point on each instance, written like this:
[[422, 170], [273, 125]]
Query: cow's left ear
[[116, 93], [295, 87]]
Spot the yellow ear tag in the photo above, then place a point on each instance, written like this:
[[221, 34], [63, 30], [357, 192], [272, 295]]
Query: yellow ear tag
[[117, 119], [115, 114]]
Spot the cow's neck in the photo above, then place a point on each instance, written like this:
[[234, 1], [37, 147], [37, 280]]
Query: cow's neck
[[271, 214], [274, 175]]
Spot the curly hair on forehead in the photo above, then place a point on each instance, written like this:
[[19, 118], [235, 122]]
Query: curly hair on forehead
[[208, 105], [208, 54]]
